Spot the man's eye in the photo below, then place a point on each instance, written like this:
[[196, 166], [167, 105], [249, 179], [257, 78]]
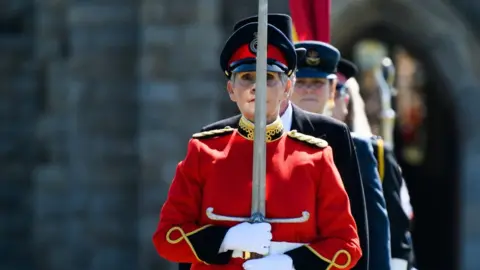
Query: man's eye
[[247, 77], [300, 83], [270, 77]]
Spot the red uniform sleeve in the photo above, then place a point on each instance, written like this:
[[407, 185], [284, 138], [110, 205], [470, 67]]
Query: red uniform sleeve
[[179, 236], [337, 245]]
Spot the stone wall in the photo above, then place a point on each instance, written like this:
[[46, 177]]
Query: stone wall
[[19, 107], [177, 94], [98, 100], [86, 191]]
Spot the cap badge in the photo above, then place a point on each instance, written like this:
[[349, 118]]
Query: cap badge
[[312, 58], [254, 43]]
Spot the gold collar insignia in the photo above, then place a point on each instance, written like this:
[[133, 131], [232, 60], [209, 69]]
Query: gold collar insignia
[[274, 130]]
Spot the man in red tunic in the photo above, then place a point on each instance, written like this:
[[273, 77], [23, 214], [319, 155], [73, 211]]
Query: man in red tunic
[[308, 210]]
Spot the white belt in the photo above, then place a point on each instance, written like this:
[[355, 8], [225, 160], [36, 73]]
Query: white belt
[[275, 248]]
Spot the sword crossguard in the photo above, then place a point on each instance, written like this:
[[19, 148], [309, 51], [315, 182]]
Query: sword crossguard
[[257, 217]]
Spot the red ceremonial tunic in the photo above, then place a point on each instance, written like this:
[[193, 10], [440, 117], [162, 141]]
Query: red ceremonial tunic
[[217, 173]]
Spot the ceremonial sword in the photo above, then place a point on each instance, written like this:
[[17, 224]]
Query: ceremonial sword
[[259, 135], [258, 212], [258, 209]]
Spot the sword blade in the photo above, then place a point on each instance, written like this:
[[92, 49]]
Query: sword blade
[[259, 142]]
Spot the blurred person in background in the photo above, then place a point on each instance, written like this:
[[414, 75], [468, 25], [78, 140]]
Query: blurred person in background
[[302, 177], [314, 91], [335, 132], [349, 107]]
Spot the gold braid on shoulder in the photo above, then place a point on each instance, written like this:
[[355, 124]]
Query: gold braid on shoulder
[[310, 140], [213, 133]]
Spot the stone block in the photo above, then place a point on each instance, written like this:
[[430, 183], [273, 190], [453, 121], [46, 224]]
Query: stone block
[[199, 114], [159, 91], [113, 257], [146, 228], [51, 127], [49, 231], [197, 33], [153, 192], [177, 14], [51, 186], [165, 115], [155, 63], [161, 35], [56, 82], [208, 11], [103, 39], [204, 91], [155, 144], [111, 122], [113, 66], [153, 12], [59, 257], [99, 14]]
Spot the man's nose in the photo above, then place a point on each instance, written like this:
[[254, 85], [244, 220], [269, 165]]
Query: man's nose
[[309, 89]]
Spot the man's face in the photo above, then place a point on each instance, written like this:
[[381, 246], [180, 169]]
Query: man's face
[[341, 100], [312, 94], [241, 89], [340, 110]]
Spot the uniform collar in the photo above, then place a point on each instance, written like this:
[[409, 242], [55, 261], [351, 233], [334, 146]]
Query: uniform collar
[[274, 130]]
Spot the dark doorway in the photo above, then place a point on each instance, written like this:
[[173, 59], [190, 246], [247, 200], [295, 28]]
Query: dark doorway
[[433, 179]]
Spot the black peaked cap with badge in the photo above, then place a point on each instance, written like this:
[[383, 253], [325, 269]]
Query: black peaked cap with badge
[[282, 22], [239, 52], [320, 61], [345, 70]]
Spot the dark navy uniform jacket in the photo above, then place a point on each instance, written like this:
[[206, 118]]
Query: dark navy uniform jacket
[[392, 180], [378, 222]]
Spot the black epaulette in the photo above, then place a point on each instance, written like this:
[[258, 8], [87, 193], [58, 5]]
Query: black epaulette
[[213, 133], [310, 140]]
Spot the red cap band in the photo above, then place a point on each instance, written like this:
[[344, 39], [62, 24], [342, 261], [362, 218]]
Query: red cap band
[[244, 52]]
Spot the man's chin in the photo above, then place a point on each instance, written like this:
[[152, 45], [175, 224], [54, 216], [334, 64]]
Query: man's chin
[[311, 106]]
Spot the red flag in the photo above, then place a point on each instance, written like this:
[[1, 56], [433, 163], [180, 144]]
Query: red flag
[[311, 19]]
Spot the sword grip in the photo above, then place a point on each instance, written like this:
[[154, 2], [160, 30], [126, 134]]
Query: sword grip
[[256, 218]]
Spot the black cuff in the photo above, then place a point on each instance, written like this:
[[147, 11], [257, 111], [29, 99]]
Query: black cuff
[[304, 259], [207, 243]]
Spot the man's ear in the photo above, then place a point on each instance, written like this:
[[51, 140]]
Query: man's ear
[[230, 91], [288, 88]]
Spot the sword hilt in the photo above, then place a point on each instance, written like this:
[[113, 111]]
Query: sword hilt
[[257, 218]]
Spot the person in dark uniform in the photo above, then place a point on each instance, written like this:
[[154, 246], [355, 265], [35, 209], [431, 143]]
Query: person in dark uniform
[[335, 132], [394, 188], [314, 91], [205, 219]]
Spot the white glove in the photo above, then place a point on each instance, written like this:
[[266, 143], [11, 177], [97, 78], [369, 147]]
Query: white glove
[[277, 262], [248, 237]]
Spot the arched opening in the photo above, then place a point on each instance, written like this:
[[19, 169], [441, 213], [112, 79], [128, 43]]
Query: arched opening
[[434, 181]]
